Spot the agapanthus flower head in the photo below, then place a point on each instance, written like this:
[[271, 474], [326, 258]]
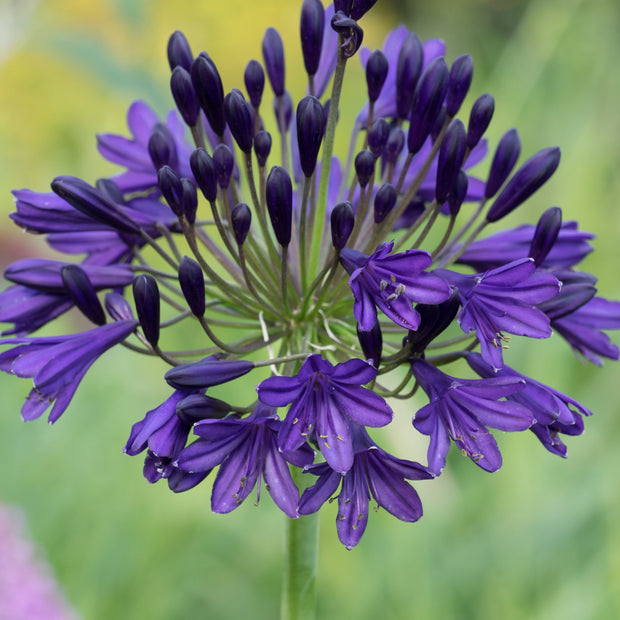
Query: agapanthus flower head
[[313, 289]]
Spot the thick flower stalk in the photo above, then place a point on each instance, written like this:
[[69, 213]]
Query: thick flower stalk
[[316, 287]]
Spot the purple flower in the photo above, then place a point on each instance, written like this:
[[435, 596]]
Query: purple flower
[[461, 409], [247, 451], [374, 473], [555, 412], [504, 300], [392, 283], [325, 399], [57, 363]]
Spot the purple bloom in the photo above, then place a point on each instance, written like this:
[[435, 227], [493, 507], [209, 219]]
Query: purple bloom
[[57, 363], [392, 283], [461, 409], [504, 300], [325, 400], [555, 412], [247, 451], [374, 473]]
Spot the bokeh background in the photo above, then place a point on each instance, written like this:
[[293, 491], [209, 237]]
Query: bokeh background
[[540, 539]]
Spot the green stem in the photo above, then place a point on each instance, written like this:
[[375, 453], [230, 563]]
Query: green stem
[[300, 566]]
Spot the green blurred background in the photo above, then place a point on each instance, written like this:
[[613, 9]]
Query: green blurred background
[[538, 539]]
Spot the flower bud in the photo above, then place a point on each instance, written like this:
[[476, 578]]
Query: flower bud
[[457, 196], [350, 32], [161, 147], [385, 199], [342, 221], [461, 74], [239, 118], [110, 190], [262, 146], [311, 27], [547, 231], [146, 298], [450, 159], [209, 90], [171, 189], [203, 168], [196, 407], [224, 161], [254, 78], [179, 51], [364, 167], [279, 194], [118, 307], [310, 126], [434, 319], [273, 56], [378, 135], [479, 119], [408, 72], [189, 200], [206, 373], [92, 203], [438, 123], [427, 101], [371, 343], [344, 6], [527, 179], [82, 292], [184, 95], [376, 73], [192, 283], [505, 158], [394, 145], [240, 219]]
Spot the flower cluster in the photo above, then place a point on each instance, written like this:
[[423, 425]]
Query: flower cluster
[[353, 282]]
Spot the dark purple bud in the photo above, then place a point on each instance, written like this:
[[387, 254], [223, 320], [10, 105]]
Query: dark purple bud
[[161, 147], [505, 158], [376, 72], [342, 221], [347, 28], [82, 292], [239, 118], [437, 126], [192, 283], [434, 319], [110, 190], [364, 167], [262, 146], [203, 168], [184, 95], [189, 201], [394, 145], [224, 161], [371, 343], [385, 199], [546, 233], [427, 100], [310, 126], [450, 159], [118, 307], [361, 7], [196, 407], [283, 106], [378, 135], [479, 119], [254, 78], [273, 55], [179, 51], [279, 194], [344, 6], [209, 90], [146, 298], [311, 28], [206, 373], [171, 189], [408, 72], [461, 74], [240, 219], [92, 203], [458, 193], [527, 179]]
